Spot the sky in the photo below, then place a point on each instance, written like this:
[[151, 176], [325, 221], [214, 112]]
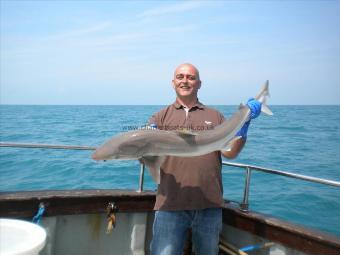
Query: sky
[[125, 52]]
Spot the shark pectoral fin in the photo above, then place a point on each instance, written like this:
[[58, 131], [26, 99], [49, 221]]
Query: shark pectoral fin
[[229, 145], [154, 164]]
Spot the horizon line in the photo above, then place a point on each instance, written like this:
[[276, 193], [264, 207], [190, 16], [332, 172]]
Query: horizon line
[[157, 104]]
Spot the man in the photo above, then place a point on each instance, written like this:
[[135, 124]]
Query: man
[[190, 193]]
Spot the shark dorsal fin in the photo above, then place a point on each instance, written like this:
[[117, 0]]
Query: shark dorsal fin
[[186, 132]]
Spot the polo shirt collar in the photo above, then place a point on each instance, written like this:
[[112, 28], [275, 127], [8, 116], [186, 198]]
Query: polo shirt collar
[[198, 105]]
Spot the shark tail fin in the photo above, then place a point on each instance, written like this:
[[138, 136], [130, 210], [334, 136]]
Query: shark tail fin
[[262, 97]]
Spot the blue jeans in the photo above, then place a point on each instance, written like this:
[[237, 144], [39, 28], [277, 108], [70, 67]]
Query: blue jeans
[[170, 229]]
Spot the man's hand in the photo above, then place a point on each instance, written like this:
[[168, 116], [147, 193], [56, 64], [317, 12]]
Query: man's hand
[[255, 110]]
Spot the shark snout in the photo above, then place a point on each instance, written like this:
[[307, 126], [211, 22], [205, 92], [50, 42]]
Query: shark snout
[[103, 154]]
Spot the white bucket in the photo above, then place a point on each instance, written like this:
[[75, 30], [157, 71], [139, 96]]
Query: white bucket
[[18, 237]]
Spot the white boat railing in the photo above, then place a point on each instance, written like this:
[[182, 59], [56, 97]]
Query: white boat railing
[[244, 205], [46, 146]]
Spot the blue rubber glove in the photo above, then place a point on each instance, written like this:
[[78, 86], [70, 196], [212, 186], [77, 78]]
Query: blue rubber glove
[[255, 110], [244, 130]]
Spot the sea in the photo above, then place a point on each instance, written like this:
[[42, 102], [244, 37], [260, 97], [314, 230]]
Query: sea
[[298, 139]]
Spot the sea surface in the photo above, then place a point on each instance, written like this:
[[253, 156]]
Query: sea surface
[[299, 139]]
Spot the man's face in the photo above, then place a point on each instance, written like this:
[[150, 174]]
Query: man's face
[[186, 81]]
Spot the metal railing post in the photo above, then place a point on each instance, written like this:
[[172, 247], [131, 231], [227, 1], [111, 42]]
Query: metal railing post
[[141, 178], [245, 204]]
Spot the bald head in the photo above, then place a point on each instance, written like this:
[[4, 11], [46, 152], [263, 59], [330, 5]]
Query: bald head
[[187, 66], [186, 83]]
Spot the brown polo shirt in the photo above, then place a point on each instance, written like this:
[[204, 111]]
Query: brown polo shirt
[[189, 183]]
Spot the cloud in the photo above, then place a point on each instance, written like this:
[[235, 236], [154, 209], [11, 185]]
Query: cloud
[[128, 37], [171, 9], [81, 31], [149, 36]]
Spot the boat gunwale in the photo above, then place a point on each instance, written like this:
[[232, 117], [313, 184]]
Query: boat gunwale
[[24, 204], [293, 235]]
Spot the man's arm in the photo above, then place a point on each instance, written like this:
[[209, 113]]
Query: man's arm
[[237, 145], [235, 148]]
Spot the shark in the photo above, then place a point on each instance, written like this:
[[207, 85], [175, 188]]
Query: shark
[[151, 146]]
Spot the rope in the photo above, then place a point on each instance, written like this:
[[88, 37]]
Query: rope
[[256, 246], [36, 219]]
